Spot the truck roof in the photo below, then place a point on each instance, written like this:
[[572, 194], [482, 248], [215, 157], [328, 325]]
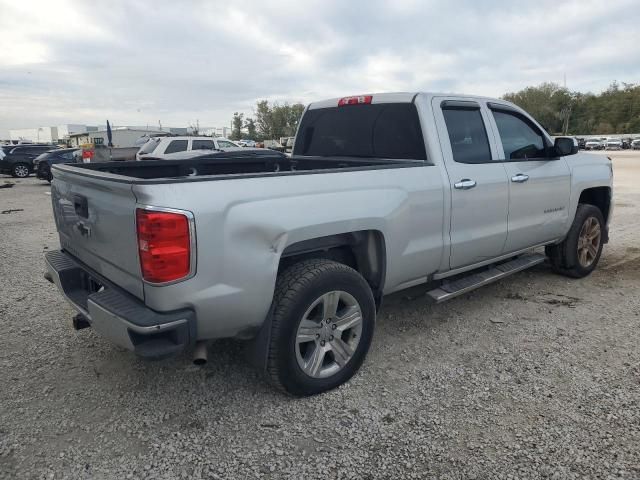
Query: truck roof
[[398, 97]]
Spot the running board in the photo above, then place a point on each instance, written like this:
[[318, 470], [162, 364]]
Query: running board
[[449, 290]]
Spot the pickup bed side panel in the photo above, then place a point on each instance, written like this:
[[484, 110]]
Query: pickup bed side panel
[[244, 225]]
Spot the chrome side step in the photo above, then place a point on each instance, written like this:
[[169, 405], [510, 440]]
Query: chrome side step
[[449, 290]]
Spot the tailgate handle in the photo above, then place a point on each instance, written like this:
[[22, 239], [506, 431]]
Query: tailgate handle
[[81, 206]]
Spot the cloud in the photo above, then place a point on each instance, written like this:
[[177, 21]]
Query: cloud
[[138, 62]]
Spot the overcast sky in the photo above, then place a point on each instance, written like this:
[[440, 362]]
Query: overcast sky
[[137, 62]]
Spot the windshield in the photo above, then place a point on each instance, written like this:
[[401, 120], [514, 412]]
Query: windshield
[[150, 146], [385, 130]]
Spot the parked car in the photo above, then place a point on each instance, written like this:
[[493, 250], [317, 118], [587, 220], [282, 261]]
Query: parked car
[[246, 143], [287, 143], [273, 145], [382, 192], [42, 163], [613, 144], [18, 160], [635, 144], [159, 147], [594, 144]]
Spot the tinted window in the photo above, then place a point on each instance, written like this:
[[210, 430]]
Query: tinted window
[[225, 144], [386, 130], [176, 146], [468, 137], [34, 150], [202, 145], [520, 139]]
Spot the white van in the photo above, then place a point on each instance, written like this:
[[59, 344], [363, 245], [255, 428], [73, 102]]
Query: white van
[[161, 147]]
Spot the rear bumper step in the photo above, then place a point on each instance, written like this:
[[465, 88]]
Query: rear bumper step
[[117, 315], [449, 290]]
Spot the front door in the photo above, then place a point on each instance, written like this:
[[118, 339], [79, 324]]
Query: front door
[[478, 183], [539, 182]]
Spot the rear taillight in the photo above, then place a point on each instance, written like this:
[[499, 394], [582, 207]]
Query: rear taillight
[[358, 100], [164, 245]]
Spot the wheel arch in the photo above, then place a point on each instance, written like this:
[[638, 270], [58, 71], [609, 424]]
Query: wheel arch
[[599, 197], [363, 250]]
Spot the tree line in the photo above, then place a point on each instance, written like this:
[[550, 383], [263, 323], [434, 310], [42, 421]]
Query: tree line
[[270, 121], [565, 112], [559, 110]]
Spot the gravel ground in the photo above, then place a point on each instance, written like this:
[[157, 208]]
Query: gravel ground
[[534, 377]]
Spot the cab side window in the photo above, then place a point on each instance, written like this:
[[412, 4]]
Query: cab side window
[[177, 146], [468, 137], [520, 138]]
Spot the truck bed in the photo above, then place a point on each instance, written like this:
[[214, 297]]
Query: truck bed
[[229, 165]]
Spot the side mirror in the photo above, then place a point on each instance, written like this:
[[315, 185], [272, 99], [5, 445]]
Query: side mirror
[[565, 146]]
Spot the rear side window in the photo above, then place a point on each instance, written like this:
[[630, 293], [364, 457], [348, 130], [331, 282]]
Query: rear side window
[[202, 145], [520, 139], [384, 130], [177, 146], [468, 137]]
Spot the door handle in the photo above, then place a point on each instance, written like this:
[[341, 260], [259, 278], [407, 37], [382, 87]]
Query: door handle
[[520, 178], [464, 184]]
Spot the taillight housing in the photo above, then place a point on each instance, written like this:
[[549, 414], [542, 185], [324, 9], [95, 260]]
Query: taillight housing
[[357, 100], [165, 244]]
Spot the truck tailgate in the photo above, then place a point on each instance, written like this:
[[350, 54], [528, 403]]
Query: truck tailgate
[[95, 218]]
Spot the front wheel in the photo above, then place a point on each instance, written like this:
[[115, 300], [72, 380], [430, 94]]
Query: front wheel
[[578, 255], [20, 170], [322, 325]]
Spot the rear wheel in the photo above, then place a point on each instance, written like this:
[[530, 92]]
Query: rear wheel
[[20, 170], [578, 255], [322, 326]]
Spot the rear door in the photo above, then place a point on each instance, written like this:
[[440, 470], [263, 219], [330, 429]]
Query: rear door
[[96, 224], [539, 180], [478, 182]]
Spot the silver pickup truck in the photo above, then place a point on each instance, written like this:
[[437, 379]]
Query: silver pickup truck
[[382, 192]]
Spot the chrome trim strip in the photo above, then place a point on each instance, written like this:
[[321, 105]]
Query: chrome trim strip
[[192, 242]]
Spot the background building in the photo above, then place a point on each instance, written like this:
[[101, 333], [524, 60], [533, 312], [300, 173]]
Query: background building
[[215, 131], [122, 136], [35, 135]]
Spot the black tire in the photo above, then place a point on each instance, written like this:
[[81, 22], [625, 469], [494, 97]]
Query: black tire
[[297, 288], [564, 257], [19, 170]]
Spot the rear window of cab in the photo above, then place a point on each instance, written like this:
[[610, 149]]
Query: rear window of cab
[[383, 130]]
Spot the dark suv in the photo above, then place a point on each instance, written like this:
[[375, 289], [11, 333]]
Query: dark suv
[[18, 161], [42, 164]]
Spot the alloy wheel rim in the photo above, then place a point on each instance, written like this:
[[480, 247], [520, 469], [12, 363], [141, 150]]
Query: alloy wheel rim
[[328, 334], [21, 171], [589, 242]]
